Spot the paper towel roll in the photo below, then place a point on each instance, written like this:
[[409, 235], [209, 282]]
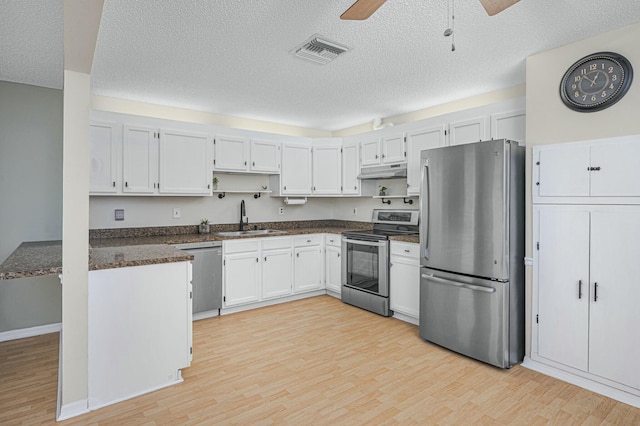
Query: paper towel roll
[[295, 201]]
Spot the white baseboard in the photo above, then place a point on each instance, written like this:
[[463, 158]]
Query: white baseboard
[[94, 406], [30, 332], [334, 294], [206, 314], [72, 409], [240, 308], [406, 318], [602, 389]]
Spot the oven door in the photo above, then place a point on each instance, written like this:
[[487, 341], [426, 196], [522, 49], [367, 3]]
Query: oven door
[[365, 265]]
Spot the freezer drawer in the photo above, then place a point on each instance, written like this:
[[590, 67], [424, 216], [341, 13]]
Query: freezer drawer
[[467, 315]]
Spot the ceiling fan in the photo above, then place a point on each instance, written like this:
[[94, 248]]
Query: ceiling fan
[[362, 9]]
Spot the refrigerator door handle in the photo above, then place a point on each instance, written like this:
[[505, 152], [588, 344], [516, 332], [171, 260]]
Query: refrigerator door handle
[[458, 284], [425, 214]]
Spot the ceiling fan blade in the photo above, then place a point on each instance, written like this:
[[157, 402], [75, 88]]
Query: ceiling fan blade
[[362, 9], [496, 6]]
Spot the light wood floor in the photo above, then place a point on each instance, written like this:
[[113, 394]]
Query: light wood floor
[[314, 361]]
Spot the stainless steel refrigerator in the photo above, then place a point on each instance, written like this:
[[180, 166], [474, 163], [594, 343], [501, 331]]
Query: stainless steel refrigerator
[[472, 250]]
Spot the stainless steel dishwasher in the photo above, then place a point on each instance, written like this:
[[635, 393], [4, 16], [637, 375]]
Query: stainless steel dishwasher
[[207, 277]]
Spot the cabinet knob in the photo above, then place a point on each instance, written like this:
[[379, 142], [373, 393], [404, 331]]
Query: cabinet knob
[[257, 260], [114, 184], [126, 185], [245, 163], [355, 187], [297, 254], [308, 241], [376, 155], [285, 187], [338, 254], [407, 251], [265, 258], [254, 163]]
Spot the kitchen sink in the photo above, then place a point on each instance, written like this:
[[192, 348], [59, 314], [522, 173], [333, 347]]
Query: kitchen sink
[[250, 232]]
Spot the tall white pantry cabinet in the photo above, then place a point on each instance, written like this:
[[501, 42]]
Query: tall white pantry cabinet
[[586, 279]]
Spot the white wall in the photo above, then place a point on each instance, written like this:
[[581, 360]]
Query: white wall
[[550, 121], [30, 165], [30, 197]]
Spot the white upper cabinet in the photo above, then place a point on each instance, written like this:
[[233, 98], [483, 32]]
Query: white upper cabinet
[[350, 169], [140, 160], [418, 140], [370, 151], [296, 169], [599, 168], [469, 131], [231, 154], [393, 149], [383, 150], [104, 151], [327, 170], [184, 163], [509, 125], [265, 156], [234, 154]]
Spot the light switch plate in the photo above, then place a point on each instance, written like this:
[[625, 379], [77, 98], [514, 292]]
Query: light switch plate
[[119, 215]]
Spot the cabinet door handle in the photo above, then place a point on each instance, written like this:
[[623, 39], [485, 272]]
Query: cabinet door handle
[[579, 289], [265, 258], [338, 254], [297, 254], [126, 185], [245, 163], [355, 187], [257, 260], [254, 163], [595, 292], [407, 251], [114, 184], [285, 187]]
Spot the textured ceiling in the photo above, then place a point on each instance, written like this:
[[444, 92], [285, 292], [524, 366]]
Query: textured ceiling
[[232, 57]]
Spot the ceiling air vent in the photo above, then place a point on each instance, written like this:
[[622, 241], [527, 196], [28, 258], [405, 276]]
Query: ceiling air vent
[[319, 50]]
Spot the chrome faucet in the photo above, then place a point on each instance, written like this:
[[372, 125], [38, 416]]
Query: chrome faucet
[[244, 220]]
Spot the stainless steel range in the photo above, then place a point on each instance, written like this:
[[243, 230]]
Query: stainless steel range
[[365, 259]]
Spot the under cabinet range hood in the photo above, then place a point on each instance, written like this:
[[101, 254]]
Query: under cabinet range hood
[[386, 171]]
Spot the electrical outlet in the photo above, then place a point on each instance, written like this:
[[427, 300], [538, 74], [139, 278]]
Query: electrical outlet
[[355, 210], [281, 210], [119, 214], [177, 213]]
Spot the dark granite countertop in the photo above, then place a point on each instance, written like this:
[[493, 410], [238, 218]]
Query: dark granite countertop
[[143, 246], [40, 258], [406, 238], [33, 259]]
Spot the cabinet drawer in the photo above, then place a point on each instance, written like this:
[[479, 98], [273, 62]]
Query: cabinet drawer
[[334, 240], [405, 249], [307, 240], [272, 243], [240, 246]]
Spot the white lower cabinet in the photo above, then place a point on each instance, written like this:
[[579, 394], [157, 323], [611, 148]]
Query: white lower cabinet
[[586, 292], [404, 279], [333, 263], [241, 278], [277, 267], [263, 269], [308, 263]]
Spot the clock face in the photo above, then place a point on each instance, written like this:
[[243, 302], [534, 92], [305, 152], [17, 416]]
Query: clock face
[[596, 82]]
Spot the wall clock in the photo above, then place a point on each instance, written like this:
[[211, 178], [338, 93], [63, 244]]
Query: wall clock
[[596, 82]]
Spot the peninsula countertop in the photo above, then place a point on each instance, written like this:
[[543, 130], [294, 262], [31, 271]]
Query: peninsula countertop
[[40, 258]]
